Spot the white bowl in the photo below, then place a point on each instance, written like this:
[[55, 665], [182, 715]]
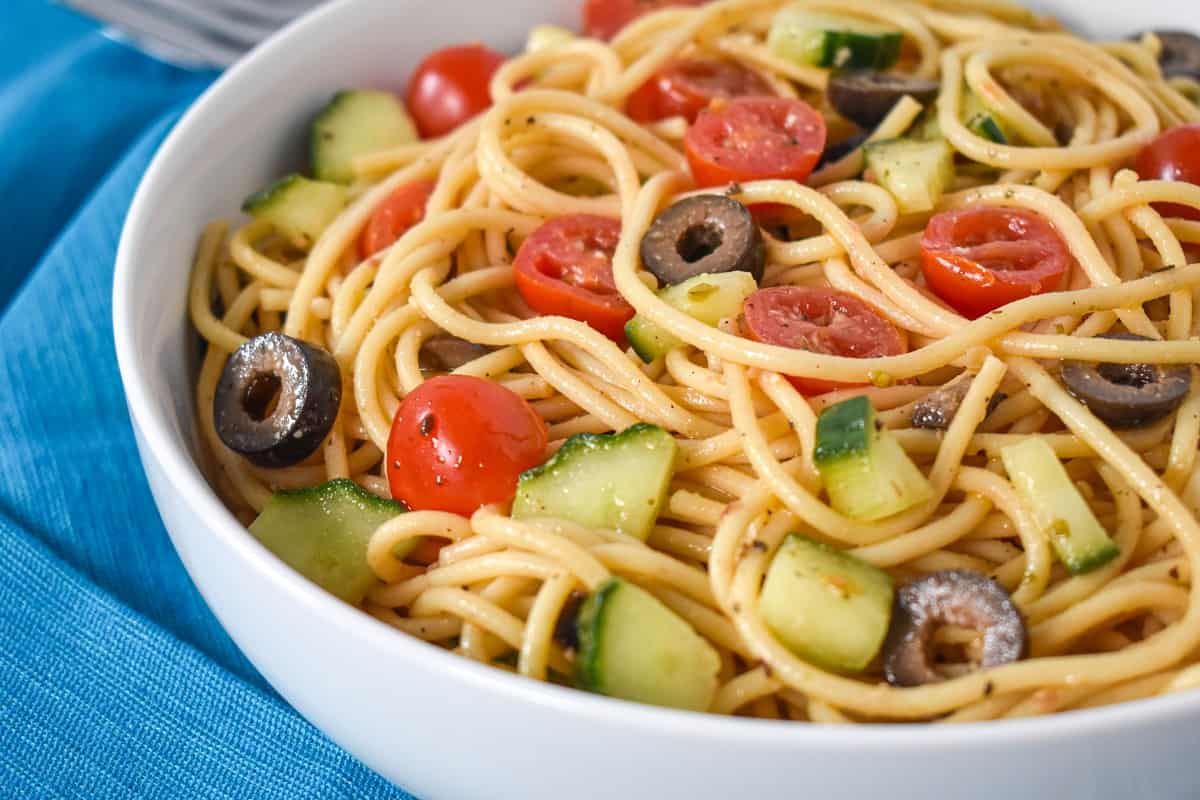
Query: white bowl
[[440, 725]]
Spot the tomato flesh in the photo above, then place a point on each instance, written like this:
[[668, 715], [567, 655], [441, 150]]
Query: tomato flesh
[[450, 86], [685, 87], [401, 210], [1173, 156], [603, 19], [459, 442], [980, 258], [565, 268], [754, 138], [820, 320]]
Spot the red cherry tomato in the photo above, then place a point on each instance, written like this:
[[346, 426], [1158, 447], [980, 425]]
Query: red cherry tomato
[[460, 442], [1173, 156], [822, 321], [450, 86], [754, 138], [978, 259], [565, 268], [398, 212], [684, 88], [602, 19]]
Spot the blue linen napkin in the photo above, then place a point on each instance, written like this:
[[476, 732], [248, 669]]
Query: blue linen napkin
[[115, 679]]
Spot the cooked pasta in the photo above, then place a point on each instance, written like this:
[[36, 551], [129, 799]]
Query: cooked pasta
[[746, 412]]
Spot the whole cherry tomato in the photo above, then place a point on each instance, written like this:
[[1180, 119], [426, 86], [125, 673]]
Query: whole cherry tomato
[[460, 442], [450, 86], [602, 19], [685, 87], [398, 212], [1173, 156]]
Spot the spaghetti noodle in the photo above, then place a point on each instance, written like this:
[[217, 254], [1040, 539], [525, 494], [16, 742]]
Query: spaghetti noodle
[[744, 477]]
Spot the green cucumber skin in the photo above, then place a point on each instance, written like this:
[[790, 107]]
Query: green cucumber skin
[[264, 198], [585, 442], [650, 341], [1094, 559], [590, 625], [853, 50], [844, 429]]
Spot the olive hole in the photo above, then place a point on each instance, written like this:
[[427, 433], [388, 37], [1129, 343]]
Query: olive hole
[[698, 241], [262, 395], [1135, 375]]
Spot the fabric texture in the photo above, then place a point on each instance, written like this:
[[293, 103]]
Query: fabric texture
[[115, 679]]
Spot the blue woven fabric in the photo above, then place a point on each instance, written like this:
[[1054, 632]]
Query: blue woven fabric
[[115, 679]]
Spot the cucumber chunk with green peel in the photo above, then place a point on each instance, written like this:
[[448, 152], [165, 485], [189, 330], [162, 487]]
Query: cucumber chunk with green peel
[[354, 123], [611, 480], [826, 606], [708, 298], [982, 121], [915, 172], [832, 40], [323, 532], [300, 209], [633, 647], [866, 472], [1044, 486]]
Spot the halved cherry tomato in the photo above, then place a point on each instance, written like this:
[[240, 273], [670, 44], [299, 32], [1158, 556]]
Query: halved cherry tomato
[[460, 442], [1173, 156], [450, 86], [820, 320], [685, 87], [602, 19], [754, 138], [980, 258], [565, 268], [401, 210]]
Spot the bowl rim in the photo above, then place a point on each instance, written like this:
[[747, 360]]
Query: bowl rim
[[171, 452]]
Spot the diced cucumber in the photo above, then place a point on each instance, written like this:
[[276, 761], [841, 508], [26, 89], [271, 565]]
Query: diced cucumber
[[543, 36], [708, 298], [611, 480], [633, 647], [981, 121], [1043, 484], [832, 40], [299, 208], [917, 173], [322, 533], [356, 122], [865, 471], [826, 606]]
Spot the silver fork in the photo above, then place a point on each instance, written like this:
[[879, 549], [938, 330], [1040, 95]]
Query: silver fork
[[193, 33]]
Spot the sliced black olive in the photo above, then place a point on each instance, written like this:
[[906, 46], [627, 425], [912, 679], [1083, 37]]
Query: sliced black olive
[[277, 399], [1127, 395], [959, 597], [935, 411], [839, 150], [566, 632], [865, 97], [705, 233], [446, 353], [1180, 56]]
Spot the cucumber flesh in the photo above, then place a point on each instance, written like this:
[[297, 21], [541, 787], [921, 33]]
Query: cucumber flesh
[[300, 209], [826, 606], [708, 298], [866, 472], [633, 647], [545, 35], [612, 480], [323, 532], [917, 173], [831, 40], [1044, 486], [356, 122]]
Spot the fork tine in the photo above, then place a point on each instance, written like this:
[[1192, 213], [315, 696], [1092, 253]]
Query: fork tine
[[275, 12], [197, 16], [135, 18]]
